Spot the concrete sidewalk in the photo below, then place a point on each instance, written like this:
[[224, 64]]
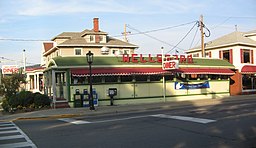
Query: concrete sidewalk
[[100, 110]]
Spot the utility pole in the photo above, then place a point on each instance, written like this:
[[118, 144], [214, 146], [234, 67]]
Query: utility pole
[[201, 24], [125, 33]]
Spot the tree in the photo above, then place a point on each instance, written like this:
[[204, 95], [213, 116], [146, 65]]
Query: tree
[[11, 84]]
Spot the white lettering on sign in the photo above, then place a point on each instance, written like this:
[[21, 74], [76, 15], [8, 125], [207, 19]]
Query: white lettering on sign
[[10, 69], [172, 64]]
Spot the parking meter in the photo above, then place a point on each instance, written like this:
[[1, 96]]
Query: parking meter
[[111, 93]]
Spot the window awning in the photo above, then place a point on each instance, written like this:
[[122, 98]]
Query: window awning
[[248, 69], [110, 71], [217, 71], [117, 71]]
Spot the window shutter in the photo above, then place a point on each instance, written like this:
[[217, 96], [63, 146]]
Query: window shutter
[[210, 54], [252, 60], [220, 54], [241, 56], [231, 56]]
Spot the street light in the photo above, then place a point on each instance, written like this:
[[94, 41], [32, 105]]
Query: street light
[[89, 57]]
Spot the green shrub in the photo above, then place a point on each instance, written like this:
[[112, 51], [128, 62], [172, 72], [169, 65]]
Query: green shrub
[[5, 105], [25, 98], [41, 100]]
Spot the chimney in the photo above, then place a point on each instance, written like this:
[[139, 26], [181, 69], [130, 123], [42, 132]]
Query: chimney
[[96, 24]]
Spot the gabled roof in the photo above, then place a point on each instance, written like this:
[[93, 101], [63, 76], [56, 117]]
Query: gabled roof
[[250, 33], [87, 31], [233, 38], [77, 39]]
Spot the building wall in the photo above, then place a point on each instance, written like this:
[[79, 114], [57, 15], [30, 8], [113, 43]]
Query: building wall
[[147, 92]]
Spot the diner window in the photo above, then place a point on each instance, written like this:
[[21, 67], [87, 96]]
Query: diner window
[[78, 51], [111, 79], [156, 77], [96, 79], [245, 56], [79, 80], [141, 78], [193, 77], [128, 78], [169, 77]]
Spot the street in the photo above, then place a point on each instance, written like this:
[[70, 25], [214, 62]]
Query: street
[[231, 124]]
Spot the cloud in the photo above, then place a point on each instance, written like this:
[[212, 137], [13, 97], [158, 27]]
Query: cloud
[[51, 7], [44, 7]]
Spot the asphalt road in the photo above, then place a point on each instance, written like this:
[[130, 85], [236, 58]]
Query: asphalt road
[[225, 125]]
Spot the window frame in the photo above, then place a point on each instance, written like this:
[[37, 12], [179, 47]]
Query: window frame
[[243, 51], [75, 51]]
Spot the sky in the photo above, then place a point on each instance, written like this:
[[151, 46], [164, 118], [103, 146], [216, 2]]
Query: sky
[[25, 24]]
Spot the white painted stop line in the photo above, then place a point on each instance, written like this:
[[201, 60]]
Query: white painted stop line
[[184, 118]]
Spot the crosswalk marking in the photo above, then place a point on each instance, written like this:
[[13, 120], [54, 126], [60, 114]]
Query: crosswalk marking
[[17, 133], [7, 128], [11, 137], [184, 118], [7, 132], [6, 124]]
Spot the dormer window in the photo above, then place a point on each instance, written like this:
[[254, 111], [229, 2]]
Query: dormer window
[[91, 38]]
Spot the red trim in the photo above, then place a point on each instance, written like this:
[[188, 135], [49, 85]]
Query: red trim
[[248, 69], [252, 60], [242, 55], [28, 69], [231, 56], [219, 71]]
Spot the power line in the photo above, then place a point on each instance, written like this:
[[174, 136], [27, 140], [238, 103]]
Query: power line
[[155, 30], [7, 59], [22, 40], [184, 36], [194, 38], [151, 36]]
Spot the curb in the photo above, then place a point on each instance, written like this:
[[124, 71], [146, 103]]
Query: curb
[[139, 108]]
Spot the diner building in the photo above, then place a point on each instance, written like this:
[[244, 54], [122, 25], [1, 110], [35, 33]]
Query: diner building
[[136, 78]]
